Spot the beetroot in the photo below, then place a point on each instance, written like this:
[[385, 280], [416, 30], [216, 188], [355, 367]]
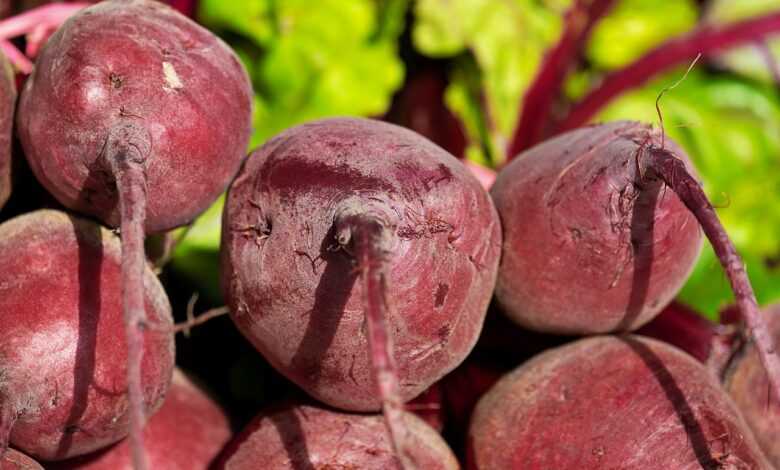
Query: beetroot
[[187, 433], [315, 438], [746, 381], [63, 380], [333, 202], [7, 106], [13, 460], [138, 116], [611, 402], [588, 246]]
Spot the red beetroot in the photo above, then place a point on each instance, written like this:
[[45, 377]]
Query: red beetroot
[[611, 402], [187, 433], [747, 383], [681, 326], [7, 106], [138, 116], [62, 354], [13, 460], [339, 225], [308, 437], [589, 247]]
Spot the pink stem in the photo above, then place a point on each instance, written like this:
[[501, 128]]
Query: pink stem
[[36, 39], [366, 235], [127, 164], [672, 171], [539, 98], [51, 15], [16, 57], [707, 39], [485, 175]]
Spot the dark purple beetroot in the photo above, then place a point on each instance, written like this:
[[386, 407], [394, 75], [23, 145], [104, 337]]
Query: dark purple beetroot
[[611, 402], [140, 71], [13, 460], [186, 433], [138, 116], [293, 288], [747, 383], [62, 345], [308, 437], [589, 246], [7, 106]]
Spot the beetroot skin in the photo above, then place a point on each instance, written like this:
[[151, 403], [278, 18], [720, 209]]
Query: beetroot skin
[[13, 460], [309, 437], [187, 433], [7, 106], [747, 383], [137, 70], [63, 350], [611, 402], [292, 286], [588, 246]]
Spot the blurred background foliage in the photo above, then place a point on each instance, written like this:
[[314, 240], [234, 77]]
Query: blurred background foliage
[[457, 70]]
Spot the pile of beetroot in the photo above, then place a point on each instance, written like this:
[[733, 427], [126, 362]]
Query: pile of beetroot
[[369, 267]]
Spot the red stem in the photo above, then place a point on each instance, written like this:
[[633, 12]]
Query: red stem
[[707, 40], [534, 117], [15, 56], [672, 171], [128, 169], [367, 234]]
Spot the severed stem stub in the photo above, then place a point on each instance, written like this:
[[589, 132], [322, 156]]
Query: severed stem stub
[[127, 150], [660, 163], [365, 238]]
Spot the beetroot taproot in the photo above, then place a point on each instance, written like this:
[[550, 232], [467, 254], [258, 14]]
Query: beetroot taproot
[[186, 433], [747, 383], [63, 378], [335, 227], [310, 437], [611, 402], [589, 247], [7, 107], [137, 115]]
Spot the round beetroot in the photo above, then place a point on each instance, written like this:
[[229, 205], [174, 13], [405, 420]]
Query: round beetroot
[[747, 382], [297, 437], [611, 402], [187, 433], [136, 67], [590, 246], [291, 279], [63, 387], [7, 106]]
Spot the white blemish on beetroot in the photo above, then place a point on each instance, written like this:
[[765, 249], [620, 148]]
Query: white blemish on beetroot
[[172, 80]]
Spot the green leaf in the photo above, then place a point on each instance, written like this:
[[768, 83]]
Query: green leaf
[[749, 61], [731, 130], [635, 26], [506, 40]]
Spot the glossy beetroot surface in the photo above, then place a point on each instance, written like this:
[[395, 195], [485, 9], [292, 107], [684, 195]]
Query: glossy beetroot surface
[[297, 437], [297, 298], [7, 107], [611, 402], [588, 246], [142, 66], [186, 433], [63, 353]]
